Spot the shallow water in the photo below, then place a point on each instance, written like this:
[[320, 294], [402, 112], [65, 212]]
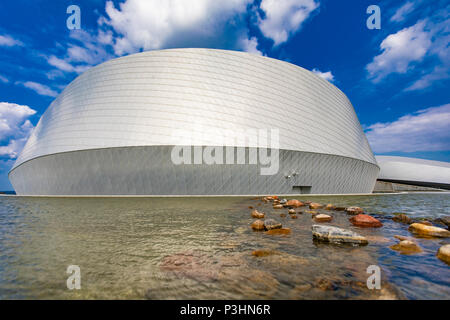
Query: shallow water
[[200, 248]]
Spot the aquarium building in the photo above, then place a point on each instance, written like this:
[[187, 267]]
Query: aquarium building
[[114, 129], [414, 172]]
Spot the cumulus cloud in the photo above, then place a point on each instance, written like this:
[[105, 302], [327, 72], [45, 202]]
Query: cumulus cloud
[[39, 88], [399, 51], [283, 18], [425, 130], [15, 127], [249, 45], [8, 41], [402, 12], [324, 75], [153, 24]]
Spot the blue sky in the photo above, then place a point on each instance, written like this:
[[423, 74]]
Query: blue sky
[[397, 77]]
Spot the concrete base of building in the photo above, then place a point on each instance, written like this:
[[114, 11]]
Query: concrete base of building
[[148, 170], [383, 186]]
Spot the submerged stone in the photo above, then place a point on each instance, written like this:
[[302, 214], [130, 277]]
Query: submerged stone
[[270, 224], [258, 215], [323, 218], [294, 203], [406, 247], [258, 225], [337, 235], [444, 253], [279, 231], [431, 231], [402, 218], [354, 210], [365, 221], [330, 207], [315, 205]]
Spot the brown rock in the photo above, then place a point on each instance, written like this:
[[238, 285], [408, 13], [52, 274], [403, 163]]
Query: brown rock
[[294, 203], [312, 212], [294, 216], [279, 231], [258, 215], [263, 253], [425, 222], [282, 215], [271, 224], [330, 207], [402, 218], [365, 221], [258, 225], [401, 238], [291, 211], [406, 247], [424, 230], [444, 221], [250, 207], [339, 208], [444, 253], [354, 210], [278, 206], [323, 218], [315, 205]]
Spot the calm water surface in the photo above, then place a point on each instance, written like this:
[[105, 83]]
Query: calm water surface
[[200, 248]]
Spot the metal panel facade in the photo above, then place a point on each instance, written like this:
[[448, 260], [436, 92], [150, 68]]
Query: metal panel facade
[[143, 99]]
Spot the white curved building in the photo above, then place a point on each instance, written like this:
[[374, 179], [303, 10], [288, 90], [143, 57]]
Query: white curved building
[[412, 171], [113, 129]]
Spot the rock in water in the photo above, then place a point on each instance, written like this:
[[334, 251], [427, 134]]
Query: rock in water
[[337, 235], [294, 203], [258, 215], [444, 253], [270, 224], [322, 218], [263, 253], [330, 207], [294, 216], [258, 225], [315, 205], [279, 231], [354, 210], [278, 206], [406, 247], [422, 229], [402, 218], [365, 221], [283, 201], [443, 220], [291, 211]]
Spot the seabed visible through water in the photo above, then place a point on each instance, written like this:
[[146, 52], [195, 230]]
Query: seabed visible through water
[[201, 248]]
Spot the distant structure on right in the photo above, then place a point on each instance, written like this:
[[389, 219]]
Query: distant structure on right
[[411, 174]]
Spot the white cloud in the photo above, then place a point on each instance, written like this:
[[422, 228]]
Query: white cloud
[[39, 88], [425, 130], [8, 41], [399, 51], [283, 18], [153, 24], [65, 66], [15, 128], [4, 79], [402, 12], [324, 75], [249, 45]]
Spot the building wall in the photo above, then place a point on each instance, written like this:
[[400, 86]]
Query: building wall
[[422, 172], [145, 99], [147, 171]]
